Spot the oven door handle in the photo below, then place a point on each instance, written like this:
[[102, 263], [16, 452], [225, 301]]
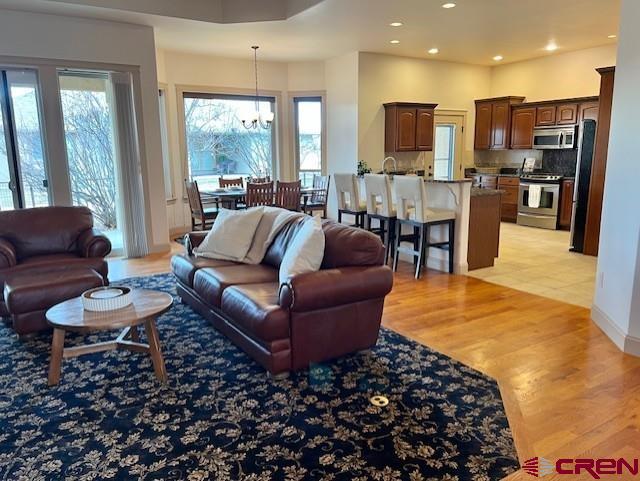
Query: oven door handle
[[524, 214]]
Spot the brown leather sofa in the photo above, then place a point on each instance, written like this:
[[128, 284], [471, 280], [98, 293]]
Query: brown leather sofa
[[313, 318], [47, 255]]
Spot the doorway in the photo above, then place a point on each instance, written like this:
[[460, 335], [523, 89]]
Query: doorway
[[24, 180], [449, 145]]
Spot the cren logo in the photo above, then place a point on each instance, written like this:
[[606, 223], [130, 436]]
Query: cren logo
[[537, 467]]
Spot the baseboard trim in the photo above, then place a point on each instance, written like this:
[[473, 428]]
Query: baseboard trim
[[626, 343]]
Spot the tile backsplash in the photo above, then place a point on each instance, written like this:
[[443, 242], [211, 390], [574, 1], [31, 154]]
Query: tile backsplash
[[558, 161]]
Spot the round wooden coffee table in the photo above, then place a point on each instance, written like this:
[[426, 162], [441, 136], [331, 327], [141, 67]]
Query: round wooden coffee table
[[70, 316]]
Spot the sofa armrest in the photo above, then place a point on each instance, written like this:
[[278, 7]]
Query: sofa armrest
[[92, 243], [334, 287], [193, 240], [7, 254]]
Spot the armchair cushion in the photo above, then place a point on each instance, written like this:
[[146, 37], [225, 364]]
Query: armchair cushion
[[335, 287], [7, 254], [91, 243]]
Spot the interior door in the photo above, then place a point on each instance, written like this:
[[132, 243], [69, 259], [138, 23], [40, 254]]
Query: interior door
[[448, 147], [23, 168]]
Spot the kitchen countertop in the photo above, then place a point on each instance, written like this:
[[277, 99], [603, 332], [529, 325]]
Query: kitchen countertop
[[475, 192]]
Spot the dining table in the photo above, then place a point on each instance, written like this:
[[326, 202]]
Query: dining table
[[230, 196]]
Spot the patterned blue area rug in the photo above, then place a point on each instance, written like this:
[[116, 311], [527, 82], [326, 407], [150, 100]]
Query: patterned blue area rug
[[221, 417]]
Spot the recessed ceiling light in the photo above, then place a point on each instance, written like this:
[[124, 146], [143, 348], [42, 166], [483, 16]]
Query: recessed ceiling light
[[394, 41], [448, 5], [396, 24], [551, 47], [611, 36], [433, 51], [497, 58]]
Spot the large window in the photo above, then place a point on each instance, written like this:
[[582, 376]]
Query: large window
[[308, 132], [218, 144], [88, 122]]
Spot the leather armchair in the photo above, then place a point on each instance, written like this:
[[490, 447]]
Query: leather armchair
[[7, 254], [91, 243], [47, 255]]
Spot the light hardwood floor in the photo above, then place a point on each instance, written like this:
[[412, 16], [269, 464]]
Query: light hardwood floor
[[568, 391], [538, 261]]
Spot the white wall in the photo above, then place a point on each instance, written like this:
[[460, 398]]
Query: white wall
[[386, 78], [341, 80], [558, 76], [224, 75], [41, 36], [617, 299]]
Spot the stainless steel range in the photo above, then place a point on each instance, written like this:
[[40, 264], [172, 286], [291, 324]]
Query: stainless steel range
[[538, 199]]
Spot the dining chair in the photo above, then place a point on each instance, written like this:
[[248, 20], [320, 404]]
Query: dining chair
[[411, 198], [348, 195], [318, 199], [259, 194], [199, 213], [234, 182], [240, 202], [380, 207], [288, 195]]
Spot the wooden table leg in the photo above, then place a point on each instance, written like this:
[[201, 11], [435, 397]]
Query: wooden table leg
[[135, 337], [57, 348], [154, 349]]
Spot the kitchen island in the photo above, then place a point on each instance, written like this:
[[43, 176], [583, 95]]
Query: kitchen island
[[452, 195]]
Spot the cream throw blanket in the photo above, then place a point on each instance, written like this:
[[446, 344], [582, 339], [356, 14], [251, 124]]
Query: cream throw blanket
[[272, 221]]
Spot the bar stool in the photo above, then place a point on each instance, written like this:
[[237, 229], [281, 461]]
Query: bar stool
[[411, 196], [380, 207], [349, 201]]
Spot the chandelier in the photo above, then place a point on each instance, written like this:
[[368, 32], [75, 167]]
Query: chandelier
[[257, 118]]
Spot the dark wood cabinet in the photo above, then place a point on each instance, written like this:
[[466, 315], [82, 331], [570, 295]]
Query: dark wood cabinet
[[409, 127], [493, 122], [523, 121], [599, 164], [484, 230], [565, 207], [483, 125], [546, 116], [510, 186], [588, 111], [424, 129], [567, 114], [500, 125]]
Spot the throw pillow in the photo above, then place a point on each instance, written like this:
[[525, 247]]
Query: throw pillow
[[305, 252], [231, 235]]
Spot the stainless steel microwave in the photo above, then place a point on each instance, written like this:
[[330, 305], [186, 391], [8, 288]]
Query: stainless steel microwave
[[554, 138]]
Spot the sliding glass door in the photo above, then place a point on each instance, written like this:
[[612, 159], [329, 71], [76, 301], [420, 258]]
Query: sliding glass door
[[23, 168], [88, 126]]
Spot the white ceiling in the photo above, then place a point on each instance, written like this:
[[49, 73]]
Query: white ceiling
[[472, 32]]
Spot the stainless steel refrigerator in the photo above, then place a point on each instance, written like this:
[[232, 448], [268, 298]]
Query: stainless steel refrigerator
[[583, 180]]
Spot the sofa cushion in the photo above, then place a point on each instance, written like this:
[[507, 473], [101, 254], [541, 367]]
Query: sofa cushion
[[27, 292], [55, 262], [210, 282], [345, 246], [184, 267], [254, 309], [305, 252], [281, 243]]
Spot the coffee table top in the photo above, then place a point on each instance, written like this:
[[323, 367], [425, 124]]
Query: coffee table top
[[71, 316]]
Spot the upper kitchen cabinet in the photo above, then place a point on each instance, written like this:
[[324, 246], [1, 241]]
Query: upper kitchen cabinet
[[493, 122], [567, 114], [589, 111], [523, 120], [546, 116], [408, 127]]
